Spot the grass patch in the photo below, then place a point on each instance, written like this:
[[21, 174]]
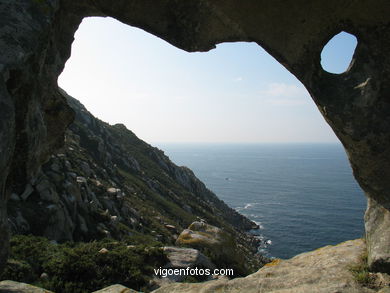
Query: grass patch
[[361, 272]]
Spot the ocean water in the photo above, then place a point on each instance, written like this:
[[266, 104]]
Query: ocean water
[[303, 196]]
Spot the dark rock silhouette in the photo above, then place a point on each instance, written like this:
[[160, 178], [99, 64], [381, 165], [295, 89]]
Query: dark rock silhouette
[[106, 182], [35, 41]]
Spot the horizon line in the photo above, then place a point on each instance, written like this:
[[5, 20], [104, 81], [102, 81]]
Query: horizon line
[[243, 142]]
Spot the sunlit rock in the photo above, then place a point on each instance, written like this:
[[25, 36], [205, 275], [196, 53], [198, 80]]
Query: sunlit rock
[[36, 37]]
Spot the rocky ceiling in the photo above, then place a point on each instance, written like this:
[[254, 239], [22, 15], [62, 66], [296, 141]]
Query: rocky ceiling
[[36, 38]]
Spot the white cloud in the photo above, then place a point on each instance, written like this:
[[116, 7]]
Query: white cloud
[[282, 94], [238, 79]]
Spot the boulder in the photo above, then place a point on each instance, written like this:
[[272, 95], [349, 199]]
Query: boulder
[[14, 197], [47, 190], [27, 192], [116, 289], [186, 257], [202, 235], [86, 168], [12, 286], [81, 180], [112, 191], [103, 250], [219, 245], [324, 270]]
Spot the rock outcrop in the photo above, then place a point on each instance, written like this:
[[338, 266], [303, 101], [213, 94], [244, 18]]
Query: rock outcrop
[[105, 182], [16, 287], [183, 258], [221, 247], [186, 257], [35, 41], [116, 289], [327, 269]]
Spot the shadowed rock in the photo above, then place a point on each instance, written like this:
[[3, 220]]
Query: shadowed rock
[[186, 257], [16, 287], [323, 270], [183, 258], [36, 37], [116, 289]]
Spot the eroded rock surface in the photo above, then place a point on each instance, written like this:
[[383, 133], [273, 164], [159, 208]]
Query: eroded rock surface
[[323, 270], [183, 258], [116, 289], [33, 116], [186, 257], [35, 41], [221, 247], [16, 287], [106, 182]]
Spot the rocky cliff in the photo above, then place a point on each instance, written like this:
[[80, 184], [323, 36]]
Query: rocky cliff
[[105, 182], [35, 42]]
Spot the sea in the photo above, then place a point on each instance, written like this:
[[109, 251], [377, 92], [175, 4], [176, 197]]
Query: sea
[[302, 196]]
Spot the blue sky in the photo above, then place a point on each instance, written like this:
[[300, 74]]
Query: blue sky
[[236, 93]]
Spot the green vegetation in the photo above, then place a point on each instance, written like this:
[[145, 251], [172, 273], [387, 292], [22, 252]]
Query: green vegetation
[[361, 272], [83, 267], [107, 183]]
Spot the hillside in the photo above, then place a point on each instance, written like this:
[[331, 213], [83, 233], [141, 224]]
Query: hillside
[[107, 183]]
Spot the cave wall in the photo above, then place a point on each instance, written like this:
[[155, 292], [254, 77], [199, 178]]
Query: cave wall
[[36, 38]]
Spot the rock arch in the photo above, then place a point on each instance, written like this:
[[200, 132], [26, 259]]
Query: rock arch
[[35, 42]]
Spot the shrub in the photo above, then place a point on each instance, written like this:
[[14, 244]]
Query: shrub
[[80, 267], [361, 272], [17, 270]]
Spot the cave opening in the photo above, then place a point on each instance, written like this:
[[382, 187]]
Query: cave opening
[[124, 75], [337, 54], [214, 97]]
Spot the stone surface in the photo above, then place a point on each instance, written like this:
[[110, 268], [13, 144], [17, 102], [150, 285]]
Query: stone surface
[[185, 258], [33, 55], [201, 235], [116, 289], [221, 247], [324, 270], [89, 189], [377, 222], [16, 287], [36, 37], [382, 280]]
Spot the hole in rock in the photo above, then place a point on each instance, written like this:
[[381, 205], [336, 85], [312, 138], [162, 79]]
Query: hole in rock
[[237, 94], [336, 56]]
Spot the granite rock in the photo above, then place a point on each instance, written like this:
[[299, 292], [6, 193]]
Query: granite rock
[[36, 38], [116, 289], [323, 270], [16, 287]]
